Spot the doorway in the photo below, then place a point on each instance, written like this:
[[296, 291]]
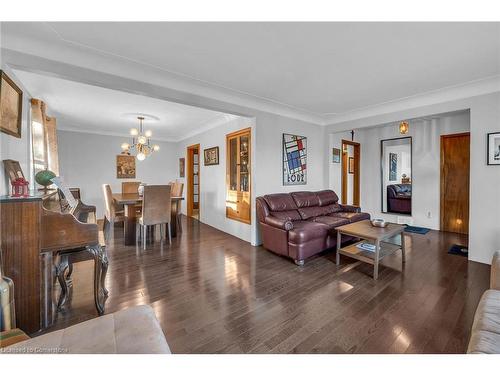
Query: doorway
[[455, 167], [351, 152], [193, 181]]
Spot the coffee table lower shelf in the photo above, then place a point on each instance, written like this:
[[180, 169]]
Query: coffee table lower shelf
[[353, 251]]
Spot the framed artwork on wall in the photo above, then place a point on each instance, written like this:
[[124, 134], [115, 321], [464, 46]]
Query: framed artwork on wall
[[211, 155], [351, 165], [125, 166], [11, 106], [493, 153], [12, 169], [393, 166], [335, 155], [182, 167], [294, 159]]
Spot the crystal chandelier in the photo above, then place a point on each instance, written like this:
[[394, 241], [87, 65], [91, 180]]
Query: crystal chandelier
[[141, 142]]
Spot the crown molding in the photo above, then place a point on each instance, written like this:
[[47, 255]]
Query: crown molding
[[470, 89], [209, 125], [73, 129]]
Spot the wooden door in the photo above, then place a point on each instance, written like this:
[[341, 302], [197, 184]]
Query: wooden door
[[455, 155], [345, 172], [193, 179]]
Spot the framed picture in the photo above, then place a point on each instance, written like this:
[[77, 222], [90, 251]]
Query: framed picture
[[393, 166], [294, 159], [125, 166], [493, 142], [11, 106], [12, 169], [335, 155], [351, 165], [211, 155], [182, 167]]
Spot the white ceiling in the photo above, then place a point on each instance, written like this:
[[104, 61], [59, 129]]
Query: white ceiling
[[86, 108], [317, 67], [319, 72]]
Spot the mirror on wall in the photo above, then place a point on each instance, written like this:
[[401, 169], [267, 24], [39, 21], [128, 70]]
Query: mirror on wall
[[396, 165]]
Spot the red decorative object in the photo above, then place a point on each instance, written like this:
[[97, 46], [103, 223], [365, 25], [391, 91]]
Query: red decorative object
[[20, 188]]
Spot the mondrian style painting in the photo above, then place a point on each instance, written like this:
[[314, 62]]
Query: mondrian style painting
[[294, 160]]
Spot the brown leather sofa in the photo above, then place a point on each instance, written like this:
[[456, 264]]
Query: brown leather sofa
[[301, 224], [399, 198]]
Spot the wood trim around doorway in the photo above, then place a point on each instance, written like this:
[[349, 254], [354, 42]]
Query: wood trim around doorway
[[190, 178], [357, 164]]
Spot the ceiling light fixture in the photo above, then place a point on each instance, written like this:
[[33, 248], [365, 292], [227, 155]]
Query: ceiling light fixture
[[141, 142], [404, 127]]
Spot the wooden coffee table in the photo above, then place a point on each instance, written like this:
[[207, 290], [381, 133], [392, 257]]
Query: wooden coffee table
[[375, 235]]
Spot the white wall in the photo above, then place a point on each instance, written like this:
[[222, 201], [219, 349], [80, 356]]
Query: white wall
[[213, 177], [89, 160], [425, 165], [16, 148], [484, 227]]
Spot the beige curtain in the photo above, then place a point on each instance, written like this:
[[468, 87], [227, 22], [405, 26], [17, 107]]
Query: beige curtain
[[44, 138]]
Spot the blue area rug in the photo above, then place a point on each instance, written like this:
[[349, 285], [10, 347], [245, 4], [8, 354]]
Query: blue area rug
[[459, 250], [418, 230]]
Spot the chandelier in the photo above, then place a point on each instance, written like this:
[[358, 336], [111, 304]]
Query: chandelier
[[141, 142]]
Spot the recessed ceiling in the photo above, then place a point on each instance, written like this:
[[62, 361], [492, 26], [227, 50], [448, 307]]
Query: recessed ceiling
[[317, 67], [87, 108]]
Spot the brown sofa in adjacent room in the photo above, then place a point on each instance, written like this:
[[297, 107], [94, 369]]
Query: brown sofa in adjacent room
[[301, 224]]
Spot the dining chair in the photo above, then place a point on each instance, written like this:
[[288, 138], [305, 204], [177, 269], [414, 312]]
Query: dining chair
[[130, 187], [177, 189], [156, 210], [113, 212]]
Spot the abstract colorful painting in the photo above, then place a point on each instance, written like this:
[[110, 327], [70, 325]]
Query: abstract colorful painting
[[294, 159]]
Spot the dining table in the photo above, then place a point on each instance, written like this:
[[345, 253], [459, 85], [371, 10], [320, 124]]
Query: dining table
[[130, 202]]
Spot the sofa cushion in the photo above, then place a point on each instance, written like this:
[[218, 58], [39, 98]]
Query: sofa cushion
[[352, 216], [131, 331], [310, 212], [280, 202], [485, 335], [331, 221], [291, 215], [327, 197], [304, 231], [305, 199]]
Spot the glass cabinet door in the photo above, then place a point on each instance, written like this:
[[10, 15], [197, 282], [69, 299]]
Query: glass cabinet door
[[244, 164], [233, 163]]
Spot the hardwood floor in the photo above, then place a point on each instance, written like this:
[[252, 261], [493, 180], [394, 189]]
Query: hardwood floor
[[214, 293]]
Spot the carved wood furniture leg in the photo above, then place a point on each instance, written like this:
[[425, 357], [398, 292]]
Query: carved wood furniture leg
[[129, 225], [100, 269], [61, 268], [70, 271]]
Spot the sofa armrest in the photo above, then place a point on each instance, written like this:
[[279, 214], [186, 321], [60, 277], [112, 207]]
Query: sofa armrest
[[350, 208], [495, 271], [279, 223]]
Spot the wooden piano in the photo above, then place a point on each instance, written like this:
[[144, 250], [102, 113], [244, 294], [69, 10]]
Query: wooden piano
[[30, 235]]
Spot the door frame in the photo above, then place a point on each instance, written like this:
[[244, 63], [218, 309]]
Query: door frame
[[344, 169], [441, 179], [190, 178]]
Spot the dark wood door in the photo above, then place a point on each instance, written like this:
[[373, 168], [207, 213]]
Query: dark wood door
[[455, 155]]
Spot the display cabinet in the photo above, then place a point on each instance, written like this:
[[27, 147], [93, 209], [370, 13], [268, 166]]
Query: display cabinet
[[238, 175]]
